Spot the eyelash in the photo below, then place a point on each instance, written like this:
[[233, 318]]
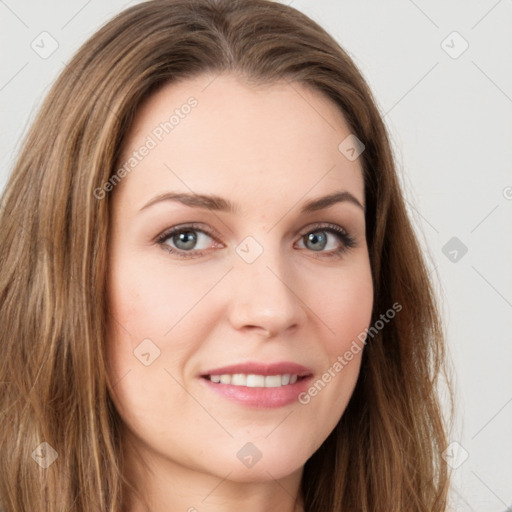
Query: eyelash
[[348, 241]]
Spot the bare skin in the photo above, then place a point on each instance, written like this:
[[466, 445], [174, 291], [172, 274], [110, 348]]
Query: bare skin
[[269, 150]]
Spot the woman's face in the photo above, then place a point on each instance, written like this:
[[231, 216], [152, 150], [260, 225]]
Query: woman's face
[[252, 277]]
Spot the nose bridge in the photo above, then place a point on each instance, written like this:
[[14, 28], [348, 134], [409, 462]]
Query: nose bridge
[[263, 292], [261, 261]]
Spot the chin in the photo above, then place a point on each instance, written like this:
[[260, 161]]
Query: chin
[[263, 470]]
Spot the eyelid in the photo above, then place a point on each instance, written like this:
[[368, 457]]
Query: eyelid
[[192, 226], [322, 225]]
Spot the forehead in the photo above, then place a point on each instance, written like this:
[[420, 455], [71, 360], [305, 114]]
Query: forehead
[[217, 134]]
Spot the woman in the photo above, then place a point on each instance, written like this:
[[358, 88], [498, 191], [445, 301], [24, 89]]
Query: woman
[[211, 294]]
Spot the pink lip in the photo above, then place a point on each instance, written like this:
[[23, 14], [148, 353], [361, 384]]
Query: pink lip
[[261, 398], [255, 368]]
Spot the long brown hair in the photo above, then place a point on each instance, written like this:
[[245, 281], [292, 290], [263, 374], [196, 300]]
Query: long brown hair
[[385, 453]]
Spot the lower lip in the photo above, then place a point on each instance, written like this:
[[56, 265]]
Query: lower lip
[[265, 398]]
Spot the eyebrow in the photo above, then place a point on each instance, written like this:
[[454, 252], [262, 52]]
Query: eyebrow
[[216, 203]]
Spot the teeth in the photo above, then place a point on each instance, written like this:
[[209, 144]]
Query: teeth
[[255, 381], [238, 379]]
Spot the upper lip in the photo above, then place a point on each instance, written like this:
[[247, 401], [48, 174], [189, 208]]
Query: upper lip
[[256, 368]]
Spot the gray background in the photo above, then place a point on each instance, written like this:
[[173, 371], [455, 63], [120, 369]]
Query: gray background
[[449, 113]]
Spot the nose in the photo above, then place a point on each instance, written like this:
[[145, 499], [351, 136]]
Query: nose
[[266, 296]]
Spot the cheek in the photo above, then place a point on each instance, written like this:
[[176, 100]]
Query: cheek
[[153, 324], [148, 299], [344, 305], [144, 309]]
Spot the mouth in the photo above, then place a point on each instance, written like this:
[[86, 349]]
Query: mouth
[[255, 391], [258, 384]]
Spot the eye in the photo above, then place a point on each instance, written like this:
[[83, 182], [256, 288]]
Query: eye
[[191, 241], [317, 240], [183, 240]]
